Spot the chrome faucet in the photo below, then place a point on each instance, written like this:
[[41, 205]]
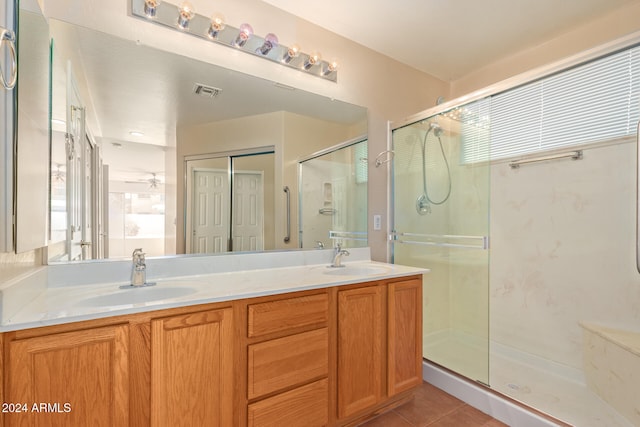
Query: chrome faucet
[[139, 269], [337, 256]]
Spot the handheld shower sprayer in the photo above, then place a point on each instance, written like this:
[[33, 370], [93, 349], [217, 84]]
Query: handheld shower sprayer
[[424, 202]]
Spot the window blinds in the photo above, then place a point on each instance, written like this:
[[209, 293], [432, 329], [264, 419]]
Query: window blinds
[[593, 102]]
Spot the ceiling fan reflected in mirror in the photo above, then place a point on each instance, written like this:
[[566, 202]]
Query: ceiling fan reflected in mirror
[[58, 174], [154, 182]]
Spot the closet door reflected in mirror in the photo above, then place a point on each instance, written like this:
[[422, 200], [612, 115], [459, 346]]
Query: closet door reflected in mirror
[[230, 203], [253, 211]]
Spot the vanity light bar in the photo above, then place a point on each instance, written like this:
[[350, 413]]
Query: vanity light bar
[[172, 16]]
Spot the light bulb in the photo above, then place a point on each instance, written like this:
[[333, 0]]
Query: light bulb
[[313, 59], [150, 8], [331, 67], [270, 41], [292, 52], [245, 32], [217, 24], [186, 13]]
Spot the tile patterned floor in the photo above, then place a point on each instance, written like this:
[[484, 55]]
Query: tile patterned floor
[[434, 408]]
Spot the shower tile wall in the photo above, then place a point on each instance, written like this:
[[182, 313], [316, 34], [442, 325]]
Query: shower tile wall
[[562, 251]]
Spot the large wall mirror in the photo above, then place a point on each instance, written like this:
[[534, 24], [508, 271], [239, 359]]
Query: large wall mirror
[[138, 134]]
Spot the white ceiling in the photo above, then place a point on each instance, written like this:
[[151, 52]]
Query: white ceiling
[[449, 38]]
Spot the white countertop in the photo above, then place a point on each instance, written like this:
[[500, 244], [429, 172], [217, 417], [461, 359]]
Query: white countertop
[[88, 298]]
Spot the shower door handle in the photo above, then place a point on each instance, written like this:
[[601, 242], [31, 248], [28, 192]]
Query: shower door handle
[[638, 197], [287, 237]]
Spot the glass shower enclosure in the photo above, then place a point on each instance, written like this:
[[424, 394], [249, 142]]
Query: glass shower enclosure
[[441, 180], [333, 196]]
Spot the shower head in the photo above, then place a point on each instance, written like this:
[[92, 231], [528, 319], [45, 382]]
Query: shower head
[[431, 127], [437, 130]]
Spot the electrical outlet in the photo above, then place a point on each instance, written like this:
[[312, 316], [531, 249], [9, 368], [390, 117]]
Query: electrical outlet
[[377, 222]]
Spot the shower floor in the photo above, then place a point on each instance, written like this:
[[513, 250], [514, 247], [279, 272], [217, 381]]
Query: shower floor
[[531, 384]]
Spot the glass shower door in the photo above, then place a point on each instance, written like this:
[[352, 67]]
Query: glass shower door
[[333, 197], [441, 220]]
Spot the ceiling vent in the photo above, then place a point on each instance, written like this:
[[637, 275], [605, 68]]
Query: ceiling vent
[[206, 91]]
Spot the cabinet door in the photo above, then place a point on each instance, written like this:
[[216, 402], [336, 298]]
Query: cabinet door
[[76, 378], [404, 329], [192, 375], [360, 349]]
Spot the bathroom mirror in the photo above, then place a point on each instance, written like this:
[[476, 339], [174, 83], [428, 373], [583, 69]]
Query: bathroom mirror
[[126, 118]]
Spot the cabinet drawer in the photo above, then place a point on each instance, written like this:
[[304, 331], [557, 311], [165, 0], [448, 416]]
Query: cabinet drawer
[[285, 362], [306, 406], [281, 315]]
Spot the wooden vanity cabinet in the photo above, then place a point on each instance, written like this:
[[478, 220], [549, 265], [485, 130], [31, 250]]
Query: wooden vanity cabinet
[[326, 357], [287, 347], [160, 368], [379, 346]]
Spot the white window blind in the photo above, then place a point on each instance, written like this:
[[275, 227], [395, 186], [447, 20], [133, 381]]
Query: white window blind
[[593, 102], [475, 130]]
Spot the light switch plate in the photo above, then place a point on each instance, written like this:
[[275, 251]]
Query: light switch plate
[[377, 222]]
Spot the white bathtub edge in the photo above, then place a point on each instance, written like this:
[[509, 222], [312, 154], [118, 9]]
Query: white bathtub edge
[[482, 399]]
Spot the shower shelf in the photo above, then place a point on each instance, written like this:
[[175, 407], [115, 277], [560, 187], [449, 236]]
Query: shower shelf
[[348, 235], [441, 240]]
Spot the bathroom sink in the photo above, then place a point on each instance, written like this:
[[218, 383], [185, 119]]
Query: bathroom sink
[[138, 295], [353, 270]]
